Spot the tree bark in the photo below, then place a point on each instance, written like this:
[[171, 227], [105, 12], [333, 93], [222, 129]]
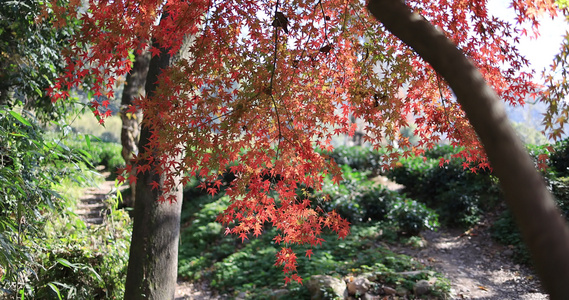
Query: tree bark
[[540, 222], [130, 133], [153, 260]]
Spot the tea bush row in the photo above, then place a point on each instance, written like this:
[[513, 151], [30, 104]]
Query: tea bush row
[[360, 200]]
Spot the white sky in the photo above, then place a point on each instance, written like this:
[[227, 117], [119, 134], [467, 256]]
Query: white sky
[[541, 51]]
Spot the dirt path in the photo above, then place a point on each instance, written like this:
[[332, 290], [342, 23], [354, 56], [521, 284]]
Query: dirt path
[[92, 207], [477, 267]]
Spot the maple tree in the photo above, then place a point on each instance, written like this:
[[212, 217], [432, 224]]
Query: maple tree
[[266, 84]]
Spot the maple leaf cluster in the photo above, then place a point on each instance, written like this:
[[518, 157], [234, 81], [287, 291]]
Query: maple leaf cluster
[[259, 100]]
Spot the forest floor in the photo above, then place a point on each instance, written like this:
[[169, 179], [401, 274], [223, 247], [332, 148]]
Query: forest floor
[[478, 267]]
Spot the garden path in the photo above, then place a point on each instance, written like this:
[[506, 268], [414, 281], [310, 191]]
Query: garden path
[[92, 207], [477, 267]]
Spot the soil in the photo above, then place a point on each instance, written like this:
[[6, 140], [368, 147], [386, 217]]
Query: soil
[[477, 267]]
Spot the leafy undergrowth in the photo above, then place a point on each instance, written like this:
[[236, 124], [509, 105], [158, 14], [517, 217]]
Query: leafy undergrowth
[[233, 267]]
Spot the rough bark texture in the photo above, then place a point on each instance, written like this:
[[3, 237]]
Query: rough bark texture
[[153, 261], [544, 230], [130, 132]]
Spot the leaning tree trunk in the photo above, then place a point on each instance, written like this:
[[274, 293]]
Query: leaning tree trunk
[[153, 260], [130, 132], [540, 222]]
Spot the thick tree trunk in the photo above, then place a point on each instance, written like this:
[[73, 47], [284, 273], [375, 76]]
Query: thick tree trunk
[[544, 230], [130, 132], [153, 261]]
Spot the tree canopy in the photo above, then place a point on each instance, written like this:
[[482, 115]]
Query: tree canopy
[[268, 83]]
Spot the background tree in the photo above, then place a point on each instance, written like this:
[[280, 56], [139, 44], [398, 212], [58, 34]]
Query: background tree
[[130, 131], [259, 100]]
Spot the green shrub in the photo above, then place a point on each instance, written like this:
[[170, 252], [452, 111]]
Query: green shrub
[[360, 200], [458, 195], [411, 217], [444, 151], [47, 252], [560, 190], [85, 263], [31, 168], [357, 158], [99, 152], [233, 267], [559, 159]]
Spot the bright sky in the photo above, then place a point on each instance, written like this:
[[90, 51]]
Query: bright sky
[[539, 51]]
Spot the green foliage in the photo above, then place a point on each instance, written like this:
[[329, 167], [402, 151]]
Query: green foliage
[[84, 263], [30, 56], [202, 241], [505, 230], [30, 167], [559, 159], [99, 152], [232, 267], [251, 267], [359, 200], [444, 151], [459, 195], [47, 251], [357, 158], [560, 190], [412, 217]]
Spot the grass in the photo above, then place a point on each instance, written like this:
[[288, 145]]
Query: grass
[[88, 124]]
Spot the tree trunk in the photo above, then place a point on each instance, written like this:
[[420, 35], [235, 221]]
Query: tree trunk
[[540, 222], [130, 133], [153, 261]]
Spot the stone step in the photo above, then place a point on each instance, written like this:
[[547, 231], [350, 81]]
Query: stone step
[[93, 205], [89, 213], [95, 220]]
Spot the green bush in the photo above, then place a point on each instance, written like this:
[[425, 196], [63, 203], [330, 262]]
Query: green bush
[[560, 190], [505, 231], [444, 151], [559, 159], [458, 195], [30, 168], [360, 200], [357, 158], [232, 267], [46, 251], [98, 152], [84, 263], [411, 217]]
